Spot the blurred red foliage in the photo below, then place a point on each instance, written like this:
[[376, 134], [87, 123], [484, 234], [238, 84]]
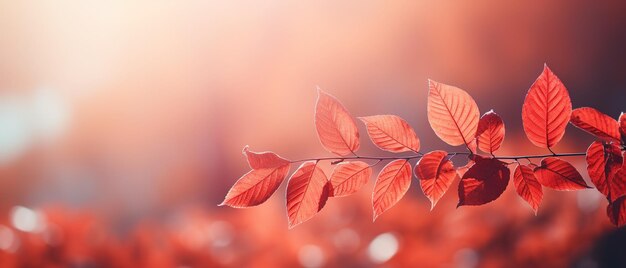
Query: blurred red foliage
[[560, 236]]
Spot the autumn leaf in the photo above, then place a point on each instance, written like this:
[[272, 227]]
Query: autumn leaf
[[603, 162], [484, 182], [471, 160], [335, 127], [392, 183], [391, 133], [263, 159], [463, 169], [546, 110], [436, 173], [527, 186], [349, 177], [622, 126], [255, 187], [452, 113], [490, 133], [618, 180], [596, 123], [616, 211], [559, 175], [472, 146], [307, 192]]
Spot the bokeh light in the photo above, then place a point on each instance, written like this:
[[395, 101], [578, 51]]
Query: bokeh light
[[383, 247]]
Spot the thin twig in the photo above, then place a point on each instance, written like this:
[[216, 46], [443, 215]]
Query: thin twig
[[450, 154]]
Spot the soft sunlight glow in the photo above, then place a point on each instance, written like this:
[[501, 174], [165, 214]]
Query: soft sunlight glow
[[8, 240], [25, 119], [588, 201], [50, 113], [311, 256], [221, 233], [383, 247], [14, 132], [27, 220]]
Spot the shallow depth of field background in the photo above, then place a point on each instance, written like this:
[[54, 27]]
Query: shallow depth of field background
[[122, 124]]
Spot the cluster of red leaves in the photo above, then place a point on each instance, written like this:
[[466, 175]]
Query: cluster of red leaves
[[455, 119]]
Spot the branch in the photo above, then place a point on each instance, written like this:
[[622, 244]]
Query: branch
[[337, 160]]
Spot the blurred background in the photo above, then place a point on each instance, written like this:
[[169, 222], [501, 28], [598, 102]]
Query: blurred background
[[122, 124]]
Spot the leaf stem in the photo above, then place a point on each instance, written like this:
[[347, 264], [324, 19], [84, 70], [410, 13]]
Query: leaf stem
[[553, 153]]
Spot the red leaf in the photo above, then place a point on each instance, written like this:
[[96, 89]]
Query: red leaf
[[528, 186], [618, 180], [256, 186], [622, 125], [391, 133], [452, 113], [392, 183], [616, 211], [307, 192], [559, 175], [596, 123], [472, 145], [546, 110], [462, 170], [470, 162], [490, 132], [603, 162], [335, 127], [349, 177], [484, 182], [618, 186], [436, 174], [264, 159]]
